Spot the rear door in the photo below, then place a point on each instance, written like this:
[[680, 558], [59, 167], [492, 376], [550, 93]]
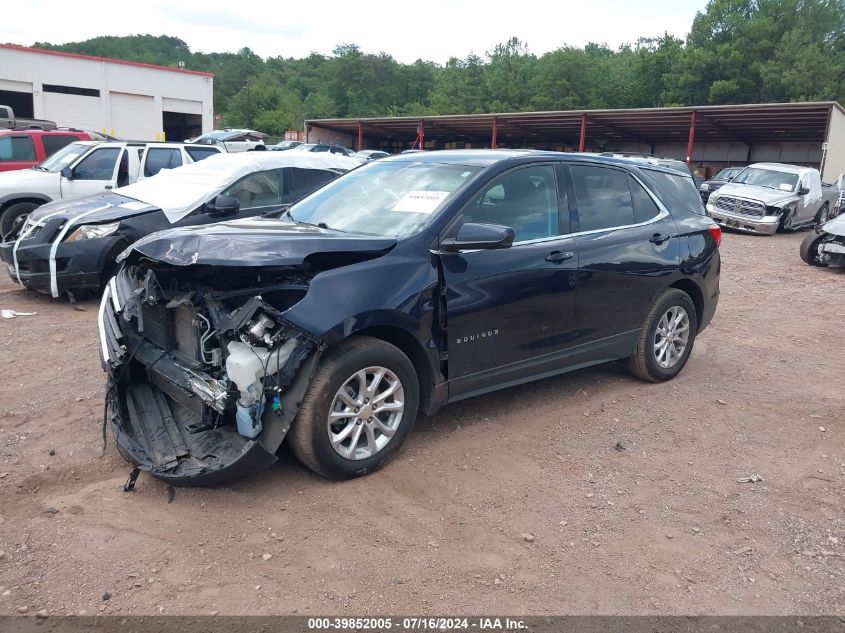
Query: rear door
[[627, 246], [509, 311]]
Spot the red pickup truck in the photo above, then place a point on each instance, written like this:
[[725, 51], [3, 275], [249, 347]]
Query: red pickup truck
[[22, 148]]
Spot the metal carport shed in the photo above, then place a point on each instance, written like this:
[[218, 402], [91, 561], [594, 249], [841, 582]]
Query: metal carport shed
[[707, 137]]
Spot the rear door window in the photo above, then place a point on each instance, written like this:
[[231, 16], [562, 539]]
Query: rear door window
[[16, 149], [54, 142], [645, 208], [305, 181], [603, 197], [159, 158]]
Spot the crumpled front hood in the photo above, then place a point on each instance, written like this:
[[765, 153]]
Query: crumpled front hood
[[26, 180], [767, 196], [836, 226], [104, 207], [252, 242]]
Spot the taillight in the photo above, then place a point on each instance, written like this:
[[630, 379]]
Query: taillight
[[716, 233]]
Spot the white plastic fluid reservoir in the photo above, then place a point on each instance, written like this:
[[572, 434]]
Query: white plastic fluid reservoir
[[246, 366]]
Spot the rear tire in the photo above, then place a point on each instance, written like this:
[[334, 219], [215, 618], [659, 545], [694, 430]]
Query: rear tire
[[823, 215], [371, 439], [809, 249], [662, 350], [11, 215]]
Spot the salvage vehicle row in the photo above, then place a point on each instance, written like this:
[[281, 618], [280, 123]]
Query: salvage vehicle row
[[71, 246], [84, 168]]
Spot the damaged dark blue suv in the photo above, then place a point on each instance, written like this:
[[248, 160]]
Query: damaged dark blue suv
[[411, 282]]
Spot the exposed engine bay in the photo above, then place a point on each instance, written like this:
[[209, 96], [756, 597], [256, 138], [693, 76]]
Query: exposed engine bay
[[205, 375]]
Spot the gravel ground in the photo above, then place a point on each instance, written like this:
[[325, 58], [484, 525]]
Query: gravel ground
[[516, 502]]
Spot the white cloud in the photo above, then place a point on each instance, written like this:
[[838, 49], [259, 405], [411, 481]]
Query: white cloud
[[432, 30]]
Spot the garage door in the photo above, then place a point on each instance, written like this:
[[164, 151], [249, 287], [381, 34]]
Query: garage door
[[133, 117], [78, 111], [184, 106]]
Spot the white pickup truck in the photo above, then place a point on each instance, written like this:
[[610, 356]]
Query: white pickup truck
[[765, 197], [85, 168]]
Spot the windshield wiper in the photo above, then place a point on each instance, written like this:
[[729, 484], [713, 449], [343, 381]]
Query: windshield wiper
[[279, 212], [287, 215]]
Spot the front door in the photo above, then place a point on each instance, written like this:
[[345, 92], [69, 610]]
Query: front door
[[96, 172], [508, 308], [627, 246]]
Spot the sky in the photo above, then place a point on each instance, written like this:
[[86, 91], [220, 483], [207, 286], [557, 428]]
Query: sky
[[440, 30]]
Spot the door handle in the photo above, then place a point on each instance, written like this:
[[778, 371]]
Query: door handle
[[108, 186], [659, 238], [556, 257]]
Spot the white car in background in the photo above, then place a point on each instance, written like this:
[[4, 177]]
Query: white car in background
[[232, 140]]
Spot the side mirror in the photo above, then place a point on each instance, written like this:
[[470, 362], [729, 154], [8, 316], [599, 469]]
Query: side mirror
[[473, 236], [222, 205], [803, 191], [67, 172]]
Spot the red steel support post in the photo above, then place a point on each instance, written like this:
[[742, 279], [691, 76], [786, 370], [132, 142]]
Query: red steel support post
[[422, 134], [495, 133], [582, 144], [691, 140], [360, 136]]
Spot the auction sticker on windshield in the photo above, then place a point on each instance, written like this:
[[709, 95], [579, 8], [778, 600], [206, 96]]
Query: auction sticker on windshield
[[420, 201]]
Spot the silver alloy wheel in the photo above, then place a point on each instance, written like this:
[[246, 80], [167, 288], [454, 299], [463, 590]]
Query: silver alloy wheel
[[366, 412], [823, 215], [671, 337]]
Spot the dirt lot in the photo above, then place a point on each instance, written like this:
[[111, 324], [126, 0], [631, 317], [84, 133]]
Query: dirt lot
[[661, 526]]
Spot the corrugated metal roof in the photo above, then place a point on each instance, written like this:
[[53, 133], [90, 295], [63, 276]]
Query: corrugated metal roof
[[748, 123]]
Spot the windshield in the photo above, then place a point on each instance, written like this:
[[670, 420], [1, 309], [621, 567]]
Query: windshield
[[770, 178], [63, 157], [727, 173], [389, 199]]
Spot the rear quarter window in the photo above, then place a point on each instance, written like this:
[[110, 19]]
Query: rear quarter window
[[679, 189], [200, 153]]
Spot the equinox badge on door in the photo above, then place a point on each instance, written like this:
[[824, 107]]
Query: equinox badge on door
[[476, 337]]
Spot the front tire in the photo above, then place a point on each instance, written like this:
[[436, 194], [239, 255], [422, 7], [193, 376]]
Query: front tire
[[359, 408], [12, 214], [809, 249], [666, 338]]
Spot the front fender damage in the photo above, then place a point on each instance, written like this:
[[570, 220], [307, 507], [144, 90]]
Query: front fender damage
[[203, 383]]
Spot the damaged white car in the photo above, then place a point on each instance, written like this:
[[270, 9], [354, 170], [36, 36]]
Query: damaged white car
[[826, 245]]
